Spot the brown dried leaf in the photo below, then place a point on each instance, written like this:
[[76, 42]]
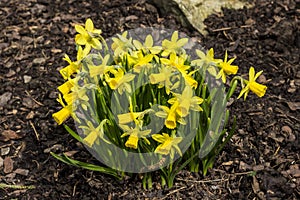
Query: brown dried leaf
[[7, 135], [23, 172], [255, 185], [8, 165], [294, 105]]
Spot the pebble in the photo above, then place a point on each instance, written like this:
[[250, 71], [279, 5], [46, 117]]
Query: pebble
[[286, 129], [5, 151], [39, 61], [4, 98], [27, 79]]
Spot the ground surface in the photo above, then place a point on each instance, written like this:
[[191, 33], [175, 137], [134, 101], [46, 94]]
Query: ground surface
[[35, 34]]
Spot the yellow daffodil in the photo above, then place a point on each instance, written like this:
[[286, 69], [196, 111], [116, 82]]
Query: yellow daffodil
[[207, 59], [92, 133], [119, 81], [64, 113], [73, 66], [186, 101], [87, 35], [175, 61], [66, 87], [132, 116], [134, 135], [101, 69], [164, 79], [168, 144], [121, 44], [148, 47], [174, 45], [142, 61], [170, 115], [226, 68], [255, 87], [189, 79]]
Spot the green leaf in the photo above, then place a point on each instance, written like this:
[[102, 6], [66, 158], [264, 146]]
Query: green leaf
[[88, 166], [71, 132]]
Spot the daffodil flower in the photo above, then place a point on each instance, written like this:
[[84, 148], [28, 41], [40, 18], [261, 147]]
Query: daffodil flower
[[73, 66], [255, 87], [207, 59], [66, 87], [226, 68], [78, 95], [186, 101], [174, 45], [170, 115], [164, 79], [92, 133], [63, 114], [87, 35], [175, 61], [121, 44], [189, 79], [119, 81], [134, 135], [168, 144], [142, 61], [148, 47], [132, 116], [101, 69]]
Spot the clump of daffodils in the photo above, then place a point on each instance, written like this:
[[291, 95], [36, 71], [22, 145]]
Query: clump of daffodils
[[148, 98]]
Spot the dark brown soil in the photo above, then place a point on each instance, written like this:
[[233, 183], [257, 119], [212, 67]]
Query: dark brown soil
[[260, 162]]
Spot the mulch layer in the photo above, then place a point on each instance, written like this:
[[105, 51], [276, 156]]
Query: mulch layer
[[260, 162]]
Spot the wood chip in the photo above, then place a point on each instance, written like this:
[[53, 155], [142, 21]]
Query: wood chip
[[7, 135], [8, 165]]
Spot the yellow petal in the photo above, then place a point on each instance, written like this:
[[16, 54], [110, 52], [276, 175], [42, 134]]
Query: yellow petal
[[80, 29], [89, 26], [157, 78], [80, 39], [128, 117], [61, 115]]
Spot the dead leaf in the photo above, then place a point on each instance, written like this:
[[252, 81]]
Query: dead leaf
[[23, 172], [70, 153], [8, 165], [294, 105], [7, 135], [255, 185]]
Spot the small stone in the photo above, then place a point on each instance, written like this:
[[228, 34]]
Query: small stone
[[5, 151], [4, 98], [27, 79], [286, 129], [30, 115], [262, 79], [39, 61], [10, 73]]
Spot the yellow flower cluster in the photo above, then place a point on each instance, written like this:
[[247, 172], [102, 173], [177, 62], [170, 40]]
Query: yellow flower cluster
[[166, 68]]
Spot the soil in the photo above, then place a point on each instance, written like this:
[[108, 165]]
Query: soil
[[260, 162]]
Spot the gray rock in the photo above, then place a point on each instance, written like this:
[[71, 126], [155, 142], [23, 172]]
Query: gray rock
[[4, 98], [194, 12]]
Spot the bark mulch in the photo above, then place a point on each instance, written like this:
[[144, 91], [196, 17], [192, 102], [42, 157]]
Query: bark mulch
[[260, 162]]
